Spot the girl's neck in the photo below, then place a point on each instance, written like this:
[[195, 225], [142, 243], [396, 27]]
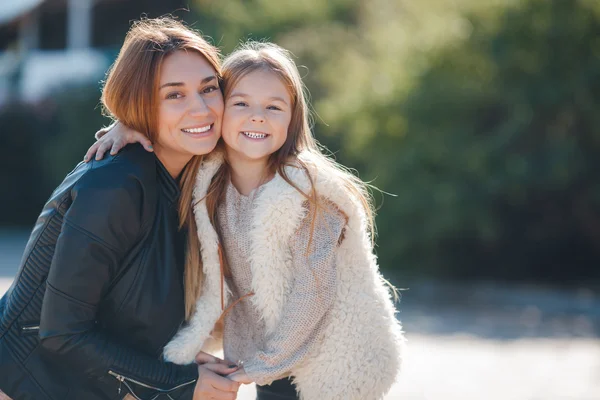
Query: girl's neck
[[247, 175]]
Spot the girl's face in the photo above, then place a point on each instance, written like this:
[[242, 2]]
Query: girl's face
[[257, 116], [190, 108]]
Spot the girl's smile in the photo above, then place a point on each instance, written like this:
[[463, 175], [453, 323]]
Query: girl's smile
[[255, 135]]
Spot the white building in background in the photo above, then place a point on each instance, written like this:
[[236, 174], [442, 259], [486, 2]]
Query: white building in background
[[28, 73]]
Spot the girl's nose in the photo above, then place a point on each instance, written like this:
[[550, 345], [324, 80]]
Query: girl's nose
[[259, 118]]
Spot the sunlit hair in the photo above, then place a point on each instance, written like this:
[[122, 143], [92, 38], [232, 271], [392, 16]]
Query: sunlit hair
[[259, 56], [130, 95]]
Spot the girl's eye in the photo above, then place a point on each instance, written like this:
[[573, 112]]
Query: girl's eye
[[176, 95], [210, 89], [273, 108], [240, 103]]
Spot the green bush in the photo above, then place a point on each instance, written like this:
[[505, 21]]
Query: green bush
[[41, 144], [22, 177], [78, 116], [496, 173]]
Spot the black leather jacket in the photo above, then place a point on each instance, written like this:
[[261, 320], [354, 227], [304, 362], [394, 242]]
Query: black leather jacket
[[100, 288]]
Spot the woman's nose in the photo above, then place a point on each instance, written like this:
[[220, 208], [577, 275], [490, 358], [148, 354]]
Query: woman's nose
[[199, 107]]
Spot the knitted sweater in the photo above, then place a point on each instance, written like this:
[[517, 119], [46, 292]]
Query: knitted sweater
[[311, 292]]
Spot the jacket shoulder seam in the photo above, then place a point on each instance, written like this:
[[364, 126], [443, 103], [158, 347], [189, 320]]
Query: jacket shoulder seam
[[90, 235]]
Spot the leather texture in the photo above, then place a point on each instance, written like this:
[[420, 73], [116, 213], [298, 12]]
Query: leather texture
[[99, 288]]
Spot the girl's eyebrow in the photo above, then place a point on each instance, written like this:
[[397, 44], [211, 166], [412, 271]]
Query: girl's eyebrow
[[178, 84], [244, 95]]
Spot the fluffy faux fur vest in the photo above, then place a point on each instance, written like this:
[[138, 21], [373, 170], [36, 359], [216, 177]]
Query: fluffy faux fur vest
[[359, 357]]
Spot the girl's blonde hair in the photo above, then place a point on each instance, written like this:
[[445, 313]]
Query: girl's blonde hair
[[130, 96], [259, 56]]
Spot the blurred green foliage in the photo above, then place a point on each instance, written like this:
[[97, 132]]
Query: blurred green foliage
[[481, 118], [43, 143]]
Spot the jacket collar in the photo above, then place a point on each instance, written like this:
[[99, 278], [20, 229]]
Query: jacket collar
[[168, 185]]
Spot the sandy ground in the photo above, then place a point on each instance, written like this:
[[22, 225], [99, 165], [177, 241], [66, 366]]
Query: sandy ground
[[463, 367], [497, 343]]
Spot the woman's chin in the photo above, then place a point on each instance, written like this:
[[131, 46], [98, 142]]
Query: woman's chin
[[202, 147]]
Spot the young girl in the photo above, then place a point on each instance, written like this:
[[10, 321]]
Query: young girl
[[287, 253]]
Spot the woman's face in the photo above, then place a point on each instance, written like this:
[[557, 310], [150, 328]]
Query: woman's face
[[190, 109]]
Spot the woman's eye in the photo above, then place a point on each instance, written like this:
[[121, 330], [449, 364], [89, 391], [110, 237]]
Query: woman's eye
[[174, 95], [210, 89]]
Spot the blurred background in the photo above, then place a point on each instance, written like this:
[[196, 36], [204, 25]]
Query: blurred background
[[479, 121]]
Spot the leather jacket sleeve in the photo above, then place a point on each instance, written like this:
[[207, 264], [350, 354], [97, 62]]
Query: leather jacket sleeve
[[103, 224]]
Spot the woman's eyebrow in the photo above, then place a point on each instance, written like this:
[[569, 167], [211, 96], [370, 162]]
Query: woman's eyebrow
[[178, 84]]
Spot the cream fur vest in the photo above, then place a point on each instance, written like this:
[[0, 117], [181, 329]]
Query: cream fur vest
[[360, 353]]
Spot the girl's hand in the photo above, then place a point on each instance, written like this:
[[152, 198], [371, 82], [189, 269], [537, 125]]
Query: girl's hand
[[212, 385], [240, 376], [204, 358], [115, 137]]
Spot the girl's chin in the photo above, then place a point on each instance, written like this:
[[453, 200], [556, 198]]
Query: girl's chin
[[242, 154]]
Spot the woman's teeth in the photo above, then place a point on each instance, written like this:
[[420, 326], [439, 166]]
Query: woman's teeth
[[197, 130], [254, 135]]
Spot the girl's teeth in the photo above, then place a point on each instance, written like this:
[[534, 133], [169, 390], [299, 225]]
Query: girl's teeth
[[197, 130], [254, 135]]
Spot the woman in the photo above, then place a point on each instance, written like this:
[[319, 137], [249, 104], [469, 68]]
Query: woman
[[100, 289]]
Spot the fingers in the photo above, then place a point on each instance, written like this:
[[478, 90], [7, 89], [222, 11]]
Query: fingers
[[103, 148], [113, 138], [131, 136], [147, 144], [210, 385], [105, 130], [117, 145], [101, 133], [203, 357], [91, 151], [221, 369], [240, 376]]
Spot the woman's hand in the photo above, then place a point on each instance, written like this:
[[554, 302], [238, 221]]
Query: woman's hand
[[212, 385], [240, 376], [115, 137], [204, 358]]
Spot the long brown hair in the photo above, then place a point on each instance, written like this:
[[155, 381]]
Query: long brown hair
[[130, 95], [255, 56]]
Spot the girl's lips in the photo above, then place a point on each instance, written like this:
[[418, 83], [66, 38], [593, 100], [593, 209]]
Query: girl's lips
[[255, 135]]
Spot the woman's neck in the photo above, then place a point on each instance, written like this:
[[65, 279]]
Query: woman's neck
[[247, 174], [173, 162]]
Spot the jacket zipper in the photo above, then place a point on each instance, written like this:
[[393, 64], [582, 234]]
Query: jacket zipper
[[122, 379], [30, 328]]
